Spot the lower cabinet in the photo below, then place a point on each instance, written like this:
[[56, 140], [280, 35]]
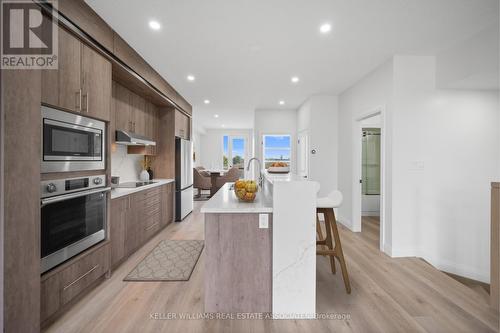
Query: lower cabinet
[[137, 217], [63, 284]]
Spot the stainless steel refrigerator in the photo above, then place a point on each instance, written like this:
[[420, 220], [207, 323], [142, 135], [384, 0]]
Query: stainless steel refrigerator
[[183, 178]]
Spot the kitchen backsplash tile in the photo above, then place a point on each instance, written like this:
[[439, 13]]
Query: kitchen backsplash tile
[[126, 166]]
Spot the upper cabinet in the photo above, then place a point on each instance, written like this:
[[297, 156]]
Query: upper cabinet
[[182, 125], [82, 82], [96, 84], [134, 113]]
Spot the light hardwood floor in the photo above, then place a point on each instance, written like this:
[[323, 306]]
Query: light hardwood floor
[[388, 295]]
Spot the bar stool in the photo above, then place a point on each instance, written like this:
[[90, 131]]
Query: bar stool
[[325, 206]]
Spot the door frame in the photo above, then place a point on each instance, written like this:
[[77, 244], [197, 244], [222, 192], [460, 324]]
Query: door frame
[[357, 173], [299, 135]]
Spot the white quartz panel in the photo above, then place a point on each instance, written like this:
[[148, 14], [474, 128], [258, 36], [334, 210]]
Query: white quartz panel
[[124, 165], [294, 249], [225, 201]]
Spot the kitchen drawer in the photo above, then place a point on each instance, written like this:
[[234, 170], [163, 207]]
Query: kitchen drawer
[[151, 226], [153, 201], [153, 210], [83, 273]]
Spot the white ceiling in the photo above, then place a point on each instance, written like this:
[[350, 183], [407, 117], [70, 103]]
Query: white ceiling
[[243, 53]]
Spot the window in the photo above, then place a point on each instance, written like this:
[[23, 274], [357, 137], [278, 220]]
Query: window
[[276, 148], [233, 153]]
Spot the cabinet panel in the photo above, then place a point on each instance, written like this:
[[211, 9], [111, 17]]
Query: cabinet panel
[[69, 71], [96, 84], [123, 109], [167, 204], [182, 125], [133, 237], [83, 273], [50, 296], [138, 106], [117, 229]]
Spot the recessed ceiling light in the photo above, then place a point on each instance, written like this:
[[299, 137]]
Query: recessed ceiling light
[[282, 102], [207, 101], [216, 116], [295, 79], [155, 25], [325, 28], [190, 78]]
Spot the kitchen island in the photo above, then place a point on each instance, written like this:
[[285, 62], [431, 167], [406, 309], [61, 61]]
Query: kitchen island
[[261, 256]]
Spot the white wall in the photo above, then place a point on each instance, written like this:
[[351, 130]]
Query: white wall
[[471, 63], [442, 152], [370, 93], [211, 147], [196, 138], [445, 154], [126, 166], [318, 116], [276, 122]]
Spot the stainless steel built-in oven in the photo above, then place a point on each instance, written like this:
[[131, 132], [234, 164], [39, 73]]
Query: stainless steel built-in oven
[[71, 142], [73, 217]]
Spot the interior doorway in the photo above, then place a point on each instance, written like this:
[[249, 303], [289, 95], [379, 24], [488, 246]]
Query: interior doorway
[[368, 177], [370, 181]]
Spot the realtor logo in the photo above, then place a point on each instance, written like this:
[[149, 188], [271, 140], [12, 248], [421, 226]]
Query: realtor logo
[[29, 37]]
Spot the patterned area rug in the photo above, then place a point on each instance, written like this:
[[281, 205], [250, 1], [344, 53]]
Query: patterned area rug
[[170, 260]]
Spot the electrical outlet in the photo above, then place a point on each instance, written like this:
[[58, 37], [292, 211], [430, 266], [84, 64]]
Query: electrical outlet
[[263, 221]]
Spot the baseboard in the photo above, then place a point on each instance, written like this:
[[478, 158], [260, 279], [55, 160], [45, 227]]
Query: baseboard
[[458, 269], [441, 264], [346, 223], [370, 213]]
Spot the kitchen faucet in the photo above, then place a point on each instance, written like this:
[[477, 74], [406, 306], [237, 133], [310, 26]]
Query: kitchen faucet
[[260, 169]]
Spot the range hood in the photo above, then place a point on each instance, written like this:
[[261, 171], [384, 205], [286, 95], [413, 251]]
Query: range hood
[[132, 139]]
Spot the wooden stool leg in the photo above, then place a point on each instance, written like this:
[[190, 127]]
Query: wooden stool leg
[[319, 231], [329, 242], [338, 250]]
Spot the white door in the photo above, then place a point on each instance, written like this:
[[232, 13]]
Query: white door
[[303, 154]]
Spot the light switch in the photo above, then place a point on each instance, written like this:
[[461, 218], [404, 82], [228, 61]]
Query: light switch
[[263, 221]]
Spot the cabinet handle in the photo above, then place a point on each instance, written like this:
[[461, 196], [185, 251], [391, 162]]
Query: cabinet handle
[[87, 101], [134, 126], [78, 103], [81, 277]]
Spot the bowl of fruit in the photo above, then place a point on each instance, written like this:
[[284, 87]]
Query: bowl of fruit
[[278, 167], [246, 190]]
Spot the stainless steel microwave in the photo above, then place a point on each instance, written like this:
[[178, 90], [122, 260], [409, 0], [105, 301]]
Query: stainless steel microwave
[[71, 142]]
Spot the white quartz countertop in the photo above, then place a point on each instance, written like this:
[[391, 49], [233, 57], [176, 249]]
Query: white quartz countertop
[[225, 201], [121, 191], [282, 177]]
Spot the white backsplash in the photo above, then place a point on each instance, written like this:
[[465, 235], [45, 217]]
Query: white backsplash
[[126, 166]]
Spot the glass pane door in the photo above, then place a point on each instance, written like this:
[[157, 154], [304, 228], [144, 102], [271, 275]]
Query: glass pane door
[[233, 153]]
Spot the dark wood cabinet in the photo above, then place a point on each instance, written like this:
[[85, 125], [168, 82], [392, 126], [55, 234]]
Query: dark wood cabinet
[[182, 125], [117, 229], [62, 87], [167, 204], [96, 84], [68, 281], [82, 82], [122, 108], [137, 217]]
